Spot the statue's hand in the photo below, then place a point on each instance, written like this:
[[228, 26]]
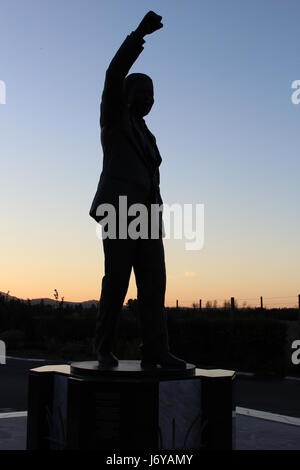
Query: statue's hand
[[150, 23]]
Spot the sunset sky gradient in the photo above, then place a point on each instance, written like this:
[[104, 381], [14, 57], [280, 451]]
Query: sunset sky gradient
[[225, 125]]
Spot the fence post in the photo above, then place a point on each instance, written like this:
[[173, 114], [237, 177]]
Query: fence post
[[232, 303], [299, 307], [176, 303], [200, 305], [261, 302]]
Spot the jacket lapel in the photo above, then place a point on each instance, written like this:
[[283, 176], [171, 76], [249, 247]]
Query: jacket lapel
[[136, 139], [153, 140], [141, 139], [138, 134]]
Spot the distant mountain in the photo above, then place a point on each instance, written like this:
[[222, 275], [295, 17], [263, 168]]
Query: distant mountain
[[47, 301], [8, 296]]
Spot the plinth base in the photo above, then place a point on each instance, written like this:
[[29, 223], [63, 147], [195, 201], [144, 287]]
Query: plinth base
[[129, 370], [129, 408]]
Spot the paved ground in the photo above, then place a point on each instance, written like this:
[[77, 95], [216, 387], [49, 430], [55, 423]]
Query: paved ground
[[251, 434], [273, 395], [260, 434], [13, 433], [13, 379]]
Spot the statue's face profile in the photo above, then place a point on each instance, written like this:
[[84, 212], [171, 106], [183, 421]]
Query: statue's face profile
[[140, 97]]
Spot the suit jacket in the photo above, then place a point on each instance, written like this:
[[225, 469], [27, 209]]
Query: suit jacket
[[128, 166]]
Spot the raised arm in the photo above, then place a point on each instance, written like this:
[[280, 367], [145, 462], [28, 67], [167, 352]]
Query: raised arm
[[112, 99]]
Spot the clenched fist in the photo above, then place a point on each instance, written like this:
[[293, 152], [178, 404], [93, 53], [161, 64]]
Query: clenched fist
[[150, 23]]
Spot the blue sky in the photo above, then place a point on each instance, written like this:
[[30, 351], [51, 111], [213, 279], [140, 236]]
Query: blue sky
[[224, 122]]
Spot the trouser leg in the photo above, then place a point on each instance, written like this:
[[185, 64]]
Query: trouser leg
[[118, 257], [150, 274]]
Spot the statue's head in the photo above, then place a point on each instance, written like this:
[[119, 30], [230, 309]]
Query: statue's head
[[138, 93]]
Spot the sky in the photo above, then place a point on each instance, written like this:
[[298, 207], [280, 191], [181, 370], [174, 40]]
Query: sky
[[224, 122]]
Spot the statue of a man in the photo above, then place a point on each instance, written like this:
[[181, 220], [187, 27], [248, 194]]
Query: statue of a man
[[131, 162]]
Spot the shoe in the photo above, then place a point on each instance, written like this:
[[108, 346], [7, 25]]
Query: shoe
[[166, 360], [107, 359]]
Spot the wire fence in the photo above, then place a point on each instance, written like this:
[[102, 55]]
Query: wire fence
[[285, 301]]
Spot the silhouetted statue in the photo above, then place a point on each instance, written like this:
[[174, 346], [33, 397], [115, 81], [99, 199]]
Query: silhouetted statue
[[131, 162]]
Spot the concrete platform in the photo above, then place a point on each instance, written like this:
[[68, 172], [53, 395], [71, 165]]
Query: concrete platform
[[251, 434], [260, 434], [13, 433]]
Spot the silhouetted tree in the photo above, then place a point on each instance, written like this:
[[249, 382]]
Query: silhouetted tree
[[226, 304]]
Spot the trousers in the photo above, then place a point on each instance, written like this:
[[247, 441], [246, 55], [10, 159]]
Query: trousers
[[147, 258]]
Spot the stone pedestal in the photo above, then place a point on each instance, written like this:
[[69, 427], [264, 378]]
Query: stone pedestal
[[83, 406]]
